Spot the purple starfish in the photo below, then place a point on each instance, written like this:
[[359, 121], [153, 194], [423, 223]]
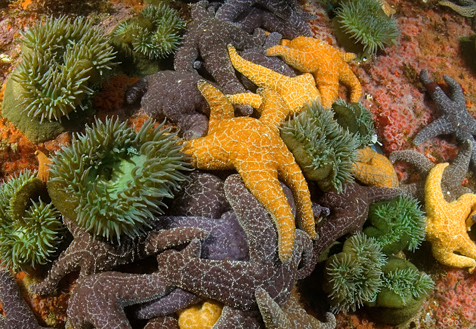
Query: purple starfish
[[17, 313], [90, 254], [234, 282], [454, 116], [349, 210], [207, 38]]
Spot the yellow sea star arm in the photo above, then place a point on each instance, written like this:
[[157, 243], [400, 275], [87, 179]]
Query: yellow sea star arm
[[446, 223], [250, 99]]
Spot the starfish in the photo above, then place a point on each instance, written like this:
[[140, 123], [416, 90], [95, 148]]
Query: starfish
[[447, 223], [226, 240], [372, 168], [90, 254], [208, 37], [99, 299], [233, 283], [292, 93], [454, 119], [291, 315], [260, 157], [452, 179], [328, 64], [166, 322], [173, 95], [467, 8], [202, 196], [348, 212], [17, 313], [274, 16]]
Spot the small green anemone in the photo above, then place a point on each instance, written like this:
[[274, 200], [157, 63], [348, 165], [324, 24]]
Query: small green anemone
[[153, 35], [323, 149], [29, 228], [353, 276], [111, 180], [362, 27]]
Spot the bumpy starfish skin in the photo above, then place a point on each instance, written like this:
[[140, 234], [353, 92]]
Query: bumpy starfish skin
[[233, 282], [17, 313], [328, 64], [453, 176], [295, 91], [454, 116], [202, 195], [372, 168], [260, 157], [291, 315], [207, 37], [173, 95], [99, 299], [467, 8], [90, 254], [447, 227], [348, 212]]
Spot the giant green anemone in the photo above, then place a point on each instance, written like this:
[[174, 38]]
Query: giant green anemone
[[111, 180], [362, 27], [62, 59], [29, 227], [322, 148]]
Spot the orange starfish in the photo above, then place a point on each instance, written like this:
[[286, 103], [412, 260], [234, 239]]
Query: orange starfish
[[328, 64], [200, 316], [260, 157], [295, 92], [372, 168], [446, 227]]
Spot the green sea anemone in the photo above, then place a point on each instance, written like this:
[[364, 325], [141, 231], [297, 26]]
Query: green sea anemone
[[61, 60], [29, 228], [396, 224], [111, 180], [323, 149], [363, 27], [353, 276], [402, 292], [153, 35], [356, 119]]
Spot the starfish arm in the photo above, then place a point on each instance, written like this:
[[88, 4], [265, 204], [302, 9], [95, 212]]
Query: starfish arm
[[250, 99], [163, 322], [207, 153], [99, 299], [422, 164], [295, 57], [233, 318], [178, 299], [348, 78], [187, 53], [466, 11], [254, 219], [434, 200], [66, 263], [438, 127], [291, 174], [164, 239], [264, 185], [466, 201], [259, 75], [456, 90], [220, 106], [328, 84], [347, 57], [273, 315], [453, 176], [376, 193], [274, 110], [18, 314], [446, 256], [231, 9]]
